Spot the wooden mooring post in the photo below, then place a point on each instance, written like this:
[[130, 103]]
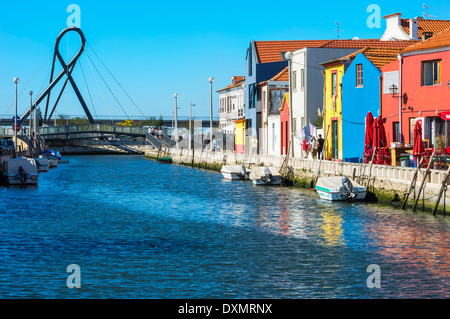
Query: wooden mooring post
[[425, 175], [413, 184], [442, 190]]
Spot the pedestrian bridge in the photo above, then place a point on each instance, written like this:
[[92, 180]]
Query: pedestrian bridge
[[92, 131]]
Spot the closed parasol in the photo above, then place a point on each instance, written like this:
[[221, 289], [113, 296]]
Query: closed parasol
[[382, 132], [368, 142], [418, 148], [376, 134]]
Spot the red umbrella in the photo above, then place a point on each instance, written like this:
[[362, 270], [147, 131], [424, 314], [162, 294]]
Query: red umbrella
[[368, 142], [418, 148], [383, 140], [376, 134]]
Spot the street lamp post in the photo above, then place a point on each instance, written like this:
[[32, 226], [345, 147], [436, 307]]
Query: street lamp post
[[176, 120], [16, 81], [289, 56], [190, 126], [211, 81], [31, 117]]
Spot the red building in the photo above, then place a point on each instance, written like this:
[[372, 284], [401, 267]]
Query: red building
[[417, 87], [284, 125]]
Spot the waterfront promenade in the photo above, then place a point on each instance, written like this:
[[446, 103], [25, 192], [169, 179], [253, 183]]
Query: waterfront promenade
[[387, 183]]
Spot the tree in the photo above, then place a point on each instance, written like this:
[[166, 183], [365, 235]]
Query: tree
[[126, 123]]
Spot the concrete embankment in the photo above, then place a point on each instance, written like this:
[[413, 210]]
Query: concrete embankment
[[386, 184]]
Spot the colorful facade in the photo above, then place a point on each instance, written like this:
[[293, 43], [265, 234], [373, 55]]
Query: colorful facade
[[421, 77], [334, 71], [239, 136], [284, 125], [361, 85]]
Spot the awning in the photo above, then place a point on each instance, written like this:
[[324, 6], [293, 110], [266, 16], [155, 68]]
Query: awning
[[445, 115]]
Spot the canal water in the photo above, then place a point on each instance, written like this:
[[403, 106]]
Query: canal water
[[139, 229]]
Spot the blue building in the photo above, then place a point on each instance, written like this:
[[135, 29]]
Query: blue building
[[361, 93]]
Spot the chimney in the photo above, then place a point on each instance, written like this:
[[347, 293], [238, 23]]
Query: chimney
[[426, 35], [414, 28]]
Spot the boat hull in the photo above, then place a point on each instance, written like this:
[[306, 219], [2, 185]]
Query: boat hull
[[42, 164], [269, 176], [338, 188], [20, 172], [277, 180], [339, 196], [234, 172]]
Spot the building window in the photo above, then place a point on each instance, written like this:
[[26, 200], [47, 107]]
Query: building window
[[294, 81], [431, 72], [396, 132], [412, 123], [334, 84], [302, 79], [359, 75]]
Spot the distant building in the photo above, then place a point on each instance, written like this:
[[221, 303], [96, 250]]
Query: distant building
[[231, 104]]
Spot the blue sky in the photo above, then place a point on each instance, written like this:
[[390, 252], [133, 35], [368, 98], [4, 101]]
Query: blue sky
[[157, 48]]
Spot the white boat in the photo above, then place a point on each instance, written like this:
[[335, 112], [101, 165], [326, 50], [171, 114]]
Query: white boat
[[235, 172], [43, 164], [265, 175], [20, 171], [53, 162], [339, 188]]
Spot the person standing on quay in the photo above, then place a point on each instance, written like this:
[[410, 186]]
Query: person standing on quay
[[321, 142], [314, 147]]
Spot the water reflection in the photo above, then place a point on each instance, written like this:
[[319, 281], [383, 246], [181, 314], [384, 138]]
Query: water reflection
[[143, 230]]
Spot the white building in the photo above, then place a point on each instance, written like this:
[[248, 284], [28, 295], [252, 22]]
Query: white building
[[231, 104], [308, 85], [272, 95]]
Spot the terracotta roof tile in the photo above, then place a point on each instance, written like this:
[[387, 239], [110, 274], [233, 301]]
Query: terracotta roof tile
[[382, 56], [359, 44], [270, 51], [280, 77], [378, 56], [233, 85], [435, 26], [438, 41]]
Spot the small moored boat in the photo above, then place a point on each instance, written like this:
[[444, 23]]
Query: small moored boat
[[165, 160], [20, 172], [235, 172], [43, 164], [265, 175], [53, 157], [339, 188]]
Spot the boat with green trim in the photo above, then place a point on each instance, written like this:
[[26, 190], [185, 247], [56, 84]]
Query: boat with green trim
[[339, 188], [165, 160]]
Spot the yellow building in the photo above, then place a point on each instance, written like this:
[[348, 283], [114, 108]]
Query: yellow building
[[334, 70], [240, 136]]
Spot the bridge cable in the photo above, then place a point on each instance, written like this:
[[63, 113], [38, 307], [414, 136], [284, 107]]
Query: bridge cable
[[89, 91], [120, 85], [107, 86], [31, 79], [101, 92]]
